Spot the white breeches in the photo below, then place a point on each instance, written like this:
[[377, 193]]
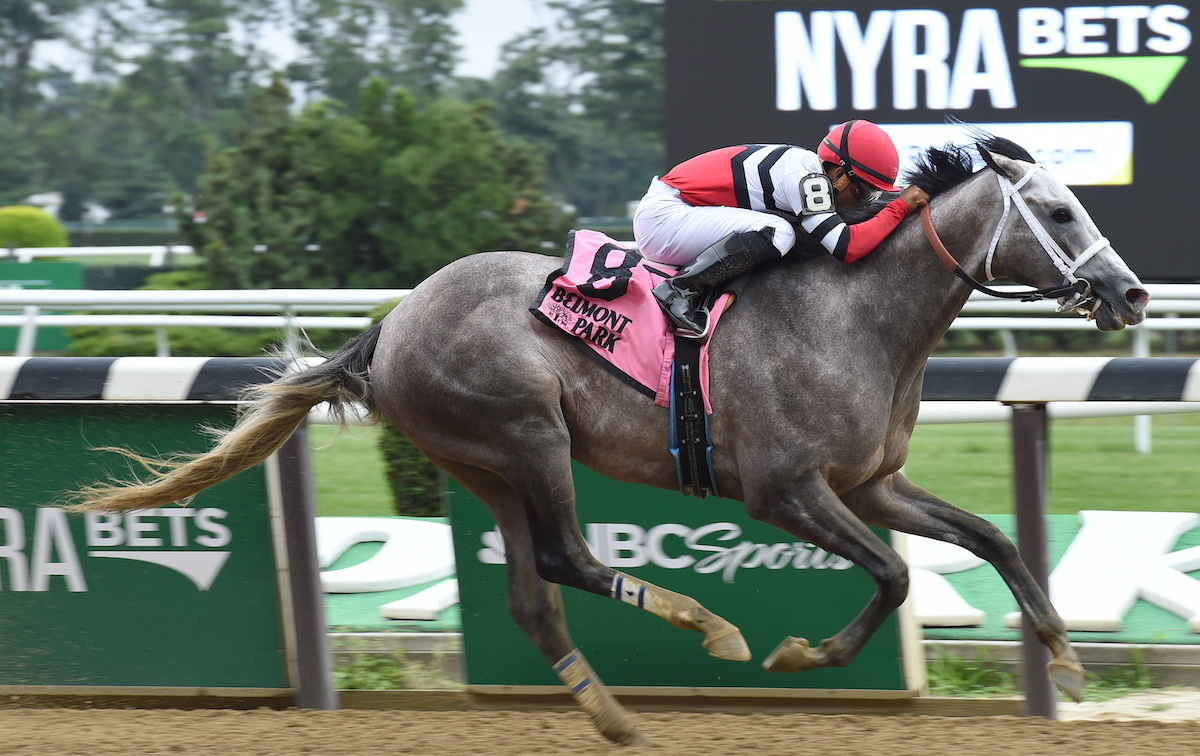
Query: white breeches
[[669, 230]]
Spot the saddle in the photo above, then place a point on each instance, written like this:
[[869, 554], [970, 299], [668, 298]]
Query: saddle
[[601, 296]]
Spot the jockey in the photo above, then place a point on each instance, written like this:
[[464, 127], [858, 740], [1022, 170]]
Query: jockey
[[712, 213]]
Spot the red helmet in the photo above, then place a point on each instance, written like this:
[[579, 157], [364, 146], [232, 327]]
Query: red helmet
[[863, 150]]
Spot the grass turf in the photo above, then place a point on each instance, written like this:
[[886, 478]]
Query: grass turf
[[348, 473], [1092, 465]]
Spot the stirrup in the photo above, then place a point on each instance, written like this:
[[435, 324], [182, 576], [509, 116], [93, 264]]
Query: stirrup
[[685, 330], [688, 333]]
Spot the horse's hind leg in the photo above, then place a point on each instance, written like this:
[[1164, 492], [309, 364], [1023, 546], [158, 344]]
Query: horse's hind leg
[[901, 505], [815, 513], [562, 556], [536, 606]]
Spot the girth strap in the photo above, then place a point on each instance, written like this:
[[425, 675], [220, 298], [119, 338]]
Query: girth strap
[[691, 441]]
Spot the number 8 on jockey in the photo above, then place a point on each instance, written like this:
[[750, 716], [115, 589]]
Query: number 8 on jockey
[[715, 214]]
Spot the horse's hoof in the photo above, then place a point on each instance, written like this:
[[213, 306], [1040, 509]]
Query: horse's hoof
[[729, 645], [633, 738], [1067, 674], [793, 655]]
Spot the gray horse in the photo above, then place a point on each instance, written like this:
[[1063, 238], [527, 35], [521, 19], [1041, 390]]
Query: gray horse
[[815, 382]]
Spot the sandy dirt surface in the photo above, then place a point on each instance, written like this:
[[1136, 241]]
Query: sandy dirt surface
[[1171, 705], [1163, 723]]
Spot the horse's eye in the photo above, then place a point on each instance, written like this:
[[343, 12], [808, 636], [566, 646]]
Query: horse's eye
[[1061, 215]]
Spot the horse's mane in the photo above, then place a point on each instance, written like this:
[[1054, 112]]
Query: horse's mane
[[942, 168]]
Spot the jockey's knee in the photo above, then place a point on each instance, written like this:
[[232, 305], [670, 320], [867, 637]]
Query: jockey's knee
[[781, 233]]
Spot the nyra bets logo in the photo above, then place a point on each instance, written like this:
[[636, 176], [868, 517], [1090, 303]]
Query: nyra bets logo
[[1147, 41], [187, 541], [941, 63], [1140, 45]]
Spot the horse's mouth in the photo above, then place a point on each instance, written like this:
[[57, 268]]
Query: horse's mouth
[[1108, 319], [1133, 311]]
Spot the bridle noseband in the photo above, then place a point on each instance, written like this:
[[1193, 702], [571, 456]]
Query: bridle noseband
[[1076, 292]]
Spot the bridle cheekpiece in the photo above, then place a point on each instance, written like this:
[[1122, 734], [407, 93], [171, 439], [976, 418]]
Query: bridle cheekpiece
[[1074, 295]]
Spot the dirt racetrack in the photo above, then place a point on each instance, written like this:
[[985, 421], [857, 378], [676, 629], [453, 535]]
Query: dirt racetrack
[[68, 732]]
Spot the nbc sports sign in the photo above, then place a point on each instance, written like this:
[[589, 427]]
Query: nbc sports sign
[[1104, 95], [712, 551]]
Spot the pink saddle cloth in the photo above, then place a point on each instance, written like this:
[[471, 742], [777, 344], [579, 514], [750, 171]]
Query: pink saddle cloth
[[601, 295]]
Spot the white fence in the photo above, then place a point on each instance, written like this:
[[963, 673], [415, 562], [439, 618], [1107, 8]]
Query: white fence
[[294, 309], [158, 256], [271, 308], [1169, 305], [282, 308]]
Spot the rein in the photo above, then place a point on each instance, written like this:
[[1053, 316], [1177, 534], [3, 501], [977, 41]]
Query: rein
[[956, 269], [1077, 291]]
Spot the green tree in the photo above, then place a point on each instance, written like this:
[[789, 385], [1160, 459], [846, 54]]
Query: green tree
[[22, 170], [407, 43], [168, 79], [588, 93], [164, 78], [24, 23], [321, 199], [209, 47]]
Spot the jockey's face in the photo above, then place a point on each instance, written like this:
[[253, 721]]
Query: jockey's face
[[850, 191], [844, 194]]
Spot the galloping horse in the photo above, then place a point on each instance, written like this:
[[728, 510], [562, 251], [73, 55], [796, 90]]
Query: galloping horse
[[815, 380]]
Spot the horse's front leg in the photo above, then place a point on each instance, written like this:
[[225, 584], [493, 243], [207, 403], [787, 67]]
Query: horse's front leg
[[900, 504], [812, 511]]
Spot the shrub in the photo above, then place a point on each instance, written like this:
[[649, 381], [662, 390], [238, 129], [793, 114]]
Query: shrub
[[194, 341], [182, 280], [415, 483], [103, 341], [202, 341], [28, 226]]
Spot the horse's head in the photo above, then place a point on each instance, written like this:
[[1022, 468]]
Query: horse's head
[[1047, 238]]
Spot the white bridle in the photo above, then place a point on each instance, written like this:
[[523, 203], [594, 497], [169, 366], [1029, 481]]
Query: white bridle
[[1062, 261]]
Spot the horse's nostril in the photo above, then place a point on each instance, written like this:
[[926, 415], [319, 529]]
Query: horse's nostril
[[1137, 299]]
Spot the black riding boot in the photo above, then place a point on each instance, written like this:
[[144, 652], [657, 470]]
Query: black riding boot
[[682, 294]]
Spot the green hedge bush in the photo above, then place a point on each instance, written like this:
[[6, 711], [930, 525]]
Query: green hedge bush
[[28, 226], [416, 485]]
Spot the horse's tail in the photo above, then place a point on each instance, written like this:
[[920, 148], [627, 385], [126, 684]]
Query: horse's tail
[[272, 412]]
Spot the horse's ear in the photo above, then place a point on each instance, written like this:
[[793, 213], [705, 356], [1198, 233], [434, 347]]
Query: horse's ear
[[990, 159]]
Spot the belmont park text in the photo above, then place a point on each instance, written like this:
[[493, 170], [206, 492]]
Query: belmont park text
[[596, 323]]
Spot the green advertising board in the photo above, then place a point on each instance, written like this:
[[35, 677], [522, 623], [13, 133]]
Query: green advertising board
[[165, 600], [38, 275], [768, 584]]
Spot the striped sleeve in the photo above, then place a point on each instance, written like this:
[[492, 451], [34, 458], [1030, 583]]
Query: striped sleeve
[[830, 231], [850, 243]]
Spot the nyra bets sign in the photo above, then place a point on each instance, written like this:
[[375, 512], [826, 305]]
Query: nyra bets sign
[[1104, 95], [171, 598]]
